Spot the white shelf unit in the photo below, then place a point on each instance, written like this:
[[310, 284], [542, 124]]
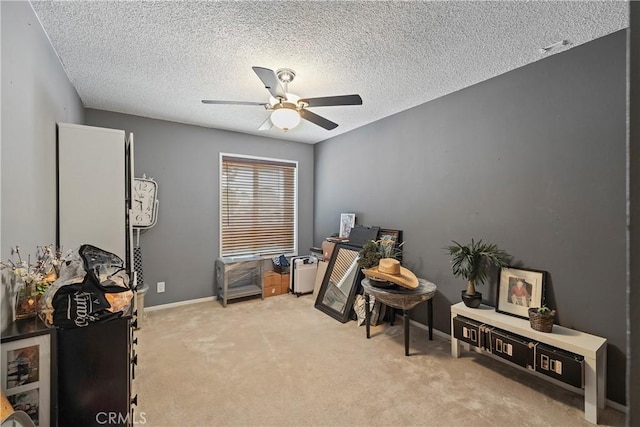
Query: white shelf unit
[[591, 347]]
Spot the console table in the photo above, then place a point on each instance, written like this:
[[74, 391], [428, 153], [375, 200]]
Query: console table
[[401, 298], [591, 347]]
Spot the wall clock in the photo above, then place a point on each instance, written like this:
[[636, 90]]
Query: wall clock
[[144, 210]]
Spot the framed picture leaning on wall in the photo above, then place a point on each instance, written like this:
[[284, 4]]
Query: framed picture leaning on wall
[[519, 289], [347, 221], [25, 376]]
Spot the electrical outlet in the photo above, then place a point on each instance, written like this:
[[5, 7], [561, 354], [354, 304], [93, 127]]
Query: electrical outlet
[[160, 287]]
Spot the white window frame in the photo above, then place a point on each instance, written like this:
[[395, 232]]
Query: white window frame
[[295, 203]]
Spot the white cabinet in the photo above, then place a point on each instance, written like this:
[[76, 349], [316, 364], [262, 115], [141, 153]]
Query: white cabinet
[[95, 167]]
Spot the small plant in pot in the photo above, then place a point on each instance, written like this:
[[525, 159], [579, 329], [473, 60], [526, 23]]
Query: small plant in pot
[[541, 318], [473, 262]]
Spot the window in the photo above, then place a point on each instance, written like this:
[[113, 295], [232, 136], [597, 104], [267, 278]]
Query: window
[[257, 206]]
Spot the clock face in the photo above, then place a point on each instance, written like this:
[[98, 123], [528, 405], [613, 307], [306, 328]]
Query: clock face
[[144, 202]]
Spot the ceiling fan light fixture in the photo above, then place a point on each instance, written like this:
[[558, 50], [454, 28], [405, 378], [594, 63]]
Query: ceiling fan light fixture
[[285, 75], [285, 116], [290, 99]]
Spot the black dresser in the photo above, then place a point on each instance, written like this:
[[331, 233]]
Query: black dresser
[[72, 377]]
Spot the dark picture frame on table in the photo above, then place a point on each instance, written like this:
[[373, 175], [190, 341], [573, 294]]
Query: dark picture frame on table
[[341, 282], [519, 289], [395, 235]]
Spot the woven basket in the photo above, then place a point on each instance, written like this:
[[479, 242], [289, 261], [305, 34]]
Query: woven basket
[[541, 322]]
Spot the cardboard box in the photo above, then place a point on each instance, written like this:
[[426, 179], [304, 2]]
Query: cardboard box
[[270, 291], [284, 283], [271, 278], [327, 249], [275, 283]]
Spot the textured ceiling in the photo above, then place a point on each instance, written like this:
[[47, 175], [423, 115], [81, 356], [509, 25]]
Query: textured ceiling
[[159, 59]]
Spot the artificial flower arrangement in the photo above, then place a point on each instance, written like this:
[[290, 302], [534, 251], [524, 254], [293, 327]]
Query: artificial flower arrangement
[[32, 280]]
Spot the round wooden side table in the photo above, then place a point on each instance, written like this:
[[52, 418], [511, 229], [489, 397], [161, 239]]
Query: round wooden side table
[[401, 298]]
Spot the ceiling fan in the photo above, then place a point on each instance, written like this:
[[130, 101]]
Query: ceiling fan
[[286, 108]]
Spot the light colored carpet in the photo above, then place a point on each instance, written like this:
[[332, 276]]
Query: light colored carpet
[[281, 362]]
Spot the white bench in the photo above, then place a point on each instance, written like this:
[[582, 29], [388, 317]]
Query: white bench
[[591, 347]]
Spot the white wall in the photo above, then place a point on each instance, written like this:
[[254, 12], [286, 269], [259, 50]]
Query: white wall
[[36, 94]]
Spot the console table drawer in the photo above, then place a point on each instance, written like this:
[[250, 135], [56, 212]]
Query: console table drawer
[[560, 365], [512, 347], [468, 330]]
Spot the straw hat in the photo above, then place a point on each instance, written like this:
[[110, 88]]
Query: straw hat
[[390, 269]]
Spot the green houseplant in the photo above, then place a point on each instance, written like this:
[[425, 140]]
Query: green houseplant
[[473, 261], [374, 250]]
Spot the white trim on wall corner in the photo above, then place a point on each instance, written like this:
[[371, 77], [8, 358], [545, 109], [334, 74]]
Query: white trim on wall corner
[[179, 303]]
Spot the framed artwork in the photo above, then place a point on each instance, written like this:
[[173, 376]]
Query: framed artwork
[[394, 235], [26, 366], [519, 289], [347, 221]]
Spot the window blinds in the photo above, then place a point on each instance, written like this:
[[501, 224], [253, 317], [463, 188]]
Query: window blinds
[[257, 208]]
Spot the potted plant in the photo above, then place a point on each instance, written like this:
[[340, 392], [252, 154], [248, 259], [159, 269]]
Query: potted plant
[[541, 318], [473, 262], [374, 250]]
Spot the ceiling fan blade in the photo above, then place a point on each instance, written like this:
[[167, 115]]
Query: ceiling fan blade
[[271, 82], [211, 101], [318, 120], [267, 124], [327, 101]]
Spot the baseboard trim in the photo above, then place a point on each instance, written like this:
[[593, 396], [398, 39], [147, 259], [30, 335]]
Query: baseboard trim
[[179, 303], [422, 326], [610, 403], [617, 406]]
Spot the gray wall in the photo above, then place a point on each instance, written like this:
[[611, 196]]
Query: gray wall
[[533, 160], [181, 249], [633, 285], [36, 94]]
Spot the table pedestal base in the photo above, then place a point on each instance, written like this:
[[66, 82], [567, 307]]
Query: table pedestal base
[[405, 320]]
